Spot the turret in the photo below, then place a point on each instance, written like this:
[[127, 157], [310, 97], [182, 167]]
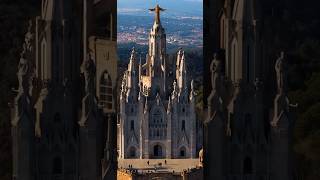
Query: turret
[[182, 80], [182, 77], [179, 56], [131, 72], [157, 40], [281, 125], [132, 78]]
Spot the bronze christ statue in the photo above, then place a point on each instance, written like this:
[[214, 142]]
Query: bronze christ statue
[[157, 10]]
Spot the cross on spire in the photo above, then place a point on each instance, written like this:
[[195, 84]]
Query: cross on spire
[[157, 10]]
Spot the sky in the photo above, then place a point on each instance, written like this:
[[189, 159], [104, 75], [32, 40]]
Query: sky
[[174, 7]]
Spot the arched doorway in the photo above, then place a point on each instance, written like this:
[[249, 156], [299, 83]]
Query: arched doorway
[[183, 152], [157, 151]]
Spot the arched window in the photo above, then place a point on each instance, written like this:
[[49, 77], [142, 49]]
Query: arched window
[[183, 125], [157, 151], [132, 152], [132, 125], [57, 166], [106, 91]]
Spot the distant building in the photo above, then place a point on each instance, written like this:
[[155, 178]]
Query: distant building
[[62, 122], [157, 117]]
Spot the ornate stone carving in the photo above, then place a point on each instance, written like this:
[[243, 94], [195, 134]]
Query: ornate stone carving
[[123, 86], [192, 92], [282, 104], [89, 70], [175, 91], [214, 100], [215, 69], [281, 73], [25, 76], [25, 67]]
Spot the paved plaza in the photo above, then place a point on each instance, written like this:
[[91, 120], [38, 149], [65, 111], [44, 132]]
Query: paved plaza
[[159, 165]]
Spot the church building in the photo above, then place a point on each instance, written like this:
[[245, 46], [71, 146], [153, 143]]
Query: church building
[[157, 113]]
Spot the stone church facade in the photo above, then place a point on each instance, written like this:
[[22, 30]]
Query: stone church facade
[[157, 112], [246, 135], [64, 111]]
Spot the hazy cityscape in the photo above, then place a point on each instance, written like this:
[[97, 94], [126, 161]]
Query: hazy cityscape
[[182, 31]]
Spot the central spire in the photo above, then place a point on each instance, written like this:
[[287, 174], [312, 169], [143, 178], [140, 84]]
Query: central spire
[[157, 10]]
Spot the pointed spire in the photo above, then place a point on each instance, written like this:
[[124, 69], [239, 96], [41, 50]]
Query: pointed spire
[[182, 63], [123, 87], [158, 99], [182, 78], [192, 92], [131, 66], [146, 108], [131, 74], [192, 85], [140, 67], [175, 90], [140, 96], [179, 55]]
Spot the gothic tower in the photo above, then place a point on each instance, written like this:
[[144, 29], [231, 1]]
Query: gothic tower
[[156, 57], [56, 107]]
